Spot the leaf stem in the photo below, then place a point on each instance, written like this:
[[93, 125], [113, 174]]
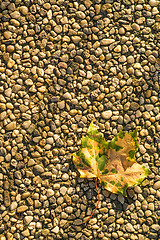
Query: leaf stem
[[97, 203]]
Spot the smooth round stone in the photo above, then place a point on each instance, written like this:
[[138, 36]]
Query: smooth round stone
[[15, 14], [148, 213], [156, 186], [129, 227], [11, 126], [58, 29], [122, 59], [137, 189], [7, 34], [130, 59], [69, 210], [10, 48], [136, 27], [13, 205], [151, 59], [38, 169], [50, 193], [67, 95], [65, 177], [142, 149], [22, 209], [24, 10], [47, 6], [76, 39], [154, 3], [107, 114]]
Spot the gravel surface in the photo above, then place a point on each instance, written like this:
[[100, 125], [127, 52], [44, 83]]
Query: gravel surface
[[65, 63]]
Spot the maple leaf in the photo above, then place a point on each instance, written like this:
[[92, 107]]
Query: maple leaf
[[113, 162]]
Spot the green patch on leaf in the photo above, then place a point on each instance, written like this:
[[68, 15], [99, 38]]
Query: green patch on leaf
[[112, 182], [118, 184], [122, 179], [85, 143], [80, 165], [121, 134], [101, 162], [123, 190], [132, 154], [114, 170], [105, 171], [85, 160], [146, 171], [113, 145]]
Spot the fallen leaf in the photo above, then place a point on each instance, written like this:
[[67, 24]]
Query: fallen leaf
[[113, 163]]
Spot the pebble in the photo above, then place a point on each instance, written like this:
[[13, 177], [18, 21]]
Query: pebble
[[107, 114], [55, 229], [22, 209], [63, 190], [106, 41], [28, 220], [50, 193], [10, 63], [153, 3], [11, 126], [24, 10], [38, 169], [110, 220], [13, 206], [129, 227], [156, 186]]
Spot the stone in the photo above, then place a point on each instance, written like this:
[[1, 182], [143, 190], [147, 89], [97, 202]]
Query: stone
[[67, 95], [26, 233], [13, 206], [49, 193], [61, 104], [38, 169], [156, 186], [15, 14], [63, 190], [117, 48], [122, 59], [136, 27], [155, 227], [129, 227], [28, 220], [22, 209], [55, 230], [76, 39], [154, 3], [77, 222], [11, 126], [10, 63], [107, 41], [107, 114], [7, 200], [24, 10], [134, 106], [110, 220], [65, 177], [7, 34]]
